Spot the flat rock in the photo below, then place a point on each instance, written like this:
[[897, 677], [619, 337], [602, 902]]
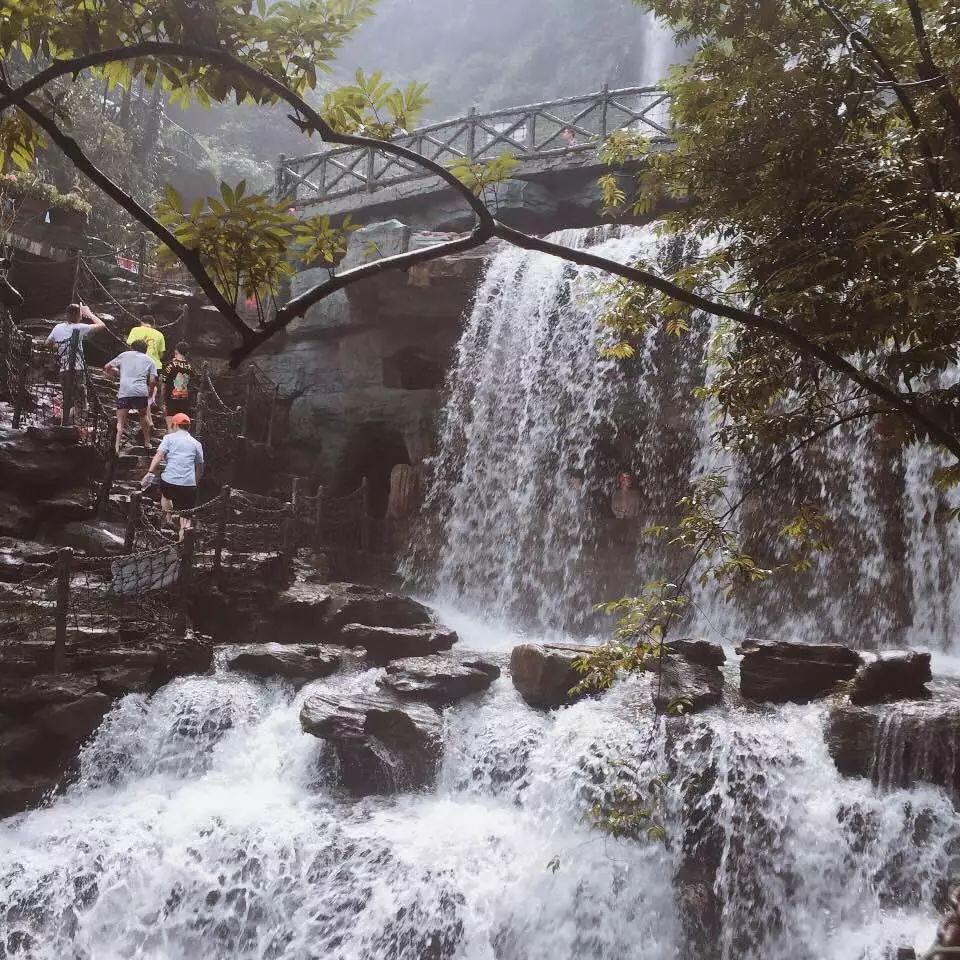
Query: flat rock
[[384, 644], [382, 745], [74, 721], [781, 672], [23, 697], [698, 651], [438, 679], [686, 686], [544, 673], [897, 676], [298, 663]]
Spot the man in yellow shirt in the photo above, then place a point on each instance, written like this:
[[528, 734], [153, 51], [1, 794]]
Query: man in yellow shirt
[[156, 345]]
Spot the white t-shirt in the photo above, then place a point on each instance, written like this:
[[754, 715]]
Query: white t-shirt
[[61, 335], [136, 369], [183, 454]]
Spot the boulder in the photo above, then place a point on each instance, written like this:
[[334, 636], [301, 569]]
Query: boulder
[[686, 686], [544, 673], [438, 679], [384, 644], [298, 663], [898, 676], [73, 722], [781, 672], [21, 698], [698, 651], [382, 744], [898, 745], [97, 539]]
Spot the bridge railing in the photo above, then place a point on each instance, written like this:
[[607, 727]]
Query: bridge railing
[[533, 132]]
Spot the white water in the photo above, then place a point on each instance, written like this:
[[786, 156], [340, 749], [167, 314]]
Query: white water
[[205, 824]]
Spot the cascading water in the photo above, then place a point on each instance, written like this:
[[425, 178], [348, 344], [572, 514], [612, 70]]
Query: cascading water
[[204, 823]]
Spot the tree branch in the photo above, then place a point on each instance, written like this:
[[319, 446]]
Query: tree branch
[[928, 69], [188, 257]]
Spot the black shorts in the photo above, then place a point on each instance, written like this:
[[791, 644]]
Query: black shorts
[[132, 403], [182, 497], [174, 407]]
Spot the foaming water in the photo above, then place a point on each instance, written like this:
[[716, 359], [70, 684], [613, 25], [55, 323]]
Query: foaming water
[[233, 841]]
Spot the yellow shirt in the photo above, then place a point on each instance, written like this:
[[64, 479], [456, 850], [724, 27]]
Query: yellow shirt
[[156, 343]]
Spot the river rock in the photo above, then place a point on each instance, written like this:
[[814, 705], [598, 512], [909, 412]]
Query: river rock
[[544, 673], [691, 679], [897, 676], [781, 672], [438, 679], [382, 744], [898, 745], [299, 663], [384, 644]]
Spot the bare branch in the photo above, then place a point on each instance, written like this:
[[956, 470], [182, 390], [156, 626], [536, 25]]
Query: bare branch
[[928, 71]]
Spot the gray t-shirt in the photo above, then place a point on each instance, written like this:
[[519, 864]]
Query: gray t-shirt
[[60, 336], [183, 454], [136, 369]]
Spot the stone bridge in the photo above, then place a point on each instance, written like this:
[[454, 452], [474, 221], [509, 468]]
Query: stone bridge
[[554, 185]]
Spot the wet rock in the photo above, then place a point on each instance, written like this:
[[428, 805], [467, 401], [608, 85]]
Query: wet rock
[[382, 744], [698, 651], [384, 644], [898, 676], [73, 722], [687, 687], [781, 672], [438, 679], [898, 745], [21, 698], [544, 673], [298, 663], [119, 681], [95, 538], [19, 793]]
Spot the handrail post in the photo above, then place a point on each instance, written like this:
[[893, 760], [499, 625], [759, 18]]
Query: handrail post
[[66, 412], [133, 515], [247, 400], [472, 134], [371, 169], [201, 402], [20, 398], [318, 520], [239, 457], [64, 564], [605, 93], [106, 485], [221, 539], [273, 409], [364, 515]]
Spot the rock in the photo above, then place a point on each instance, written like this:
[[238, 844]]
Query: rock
[[19, 793], [384, 644], [20, 698], [544, 673], [382, 745], [437, 679], [898, 676], [73, 722], [376, 241], [781, 672], [687, 687], [698, 651], [298, 663], [119, 681], [97, 539], [898, 745]]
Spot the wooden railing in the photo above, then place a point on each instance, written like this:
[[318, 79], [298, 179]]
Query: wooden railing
[[537, 131]]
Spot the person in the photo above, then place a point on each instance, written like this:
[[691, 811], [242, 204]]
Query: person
[[155, 341], [625, 502], [60, 337], [569, 137], [182, 458], [177, 380], [138, 378]]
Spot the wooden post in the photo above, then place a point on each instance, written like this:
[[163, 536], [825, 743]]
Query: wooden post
[[288, 542], [371, 169], [201, 401], [76, 280], [364, 515], [472, 134], [221, 539], [273, 410], [20, 398], [133, 515], [239, 457], [103, 497], [64, 563], [318, 520], [69, 388], [605, 93], [247, 399]]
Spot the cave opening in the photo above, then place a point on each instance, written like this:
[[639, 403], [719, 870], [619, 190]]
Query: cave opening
[[372, 451], [411, 369]]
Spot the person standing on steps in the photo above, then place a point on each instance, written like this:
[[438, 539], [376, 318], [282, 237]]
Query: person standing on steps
[[178, 385], [155, 341], [138, 377], [81, 319], [182, 458]]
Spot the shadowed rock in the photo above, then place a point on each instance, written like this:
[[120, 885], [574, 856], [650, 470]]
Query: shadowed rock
[[898, 676], [438, 679], [690, 679], [298, 663], [544, 673], [384, 644], [382, 744], [782, 672]]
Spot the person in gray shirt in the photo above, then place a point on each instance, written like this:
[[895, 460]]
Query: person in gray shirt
[[138, 376]]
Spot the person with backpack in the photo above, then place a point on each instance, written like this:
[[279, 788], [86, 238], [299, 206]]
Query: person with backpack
[[73, 384], [137, 377]]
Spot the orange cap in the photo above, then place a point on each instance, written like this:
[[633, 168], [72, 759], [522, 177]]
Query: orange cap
[[180, 420]]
